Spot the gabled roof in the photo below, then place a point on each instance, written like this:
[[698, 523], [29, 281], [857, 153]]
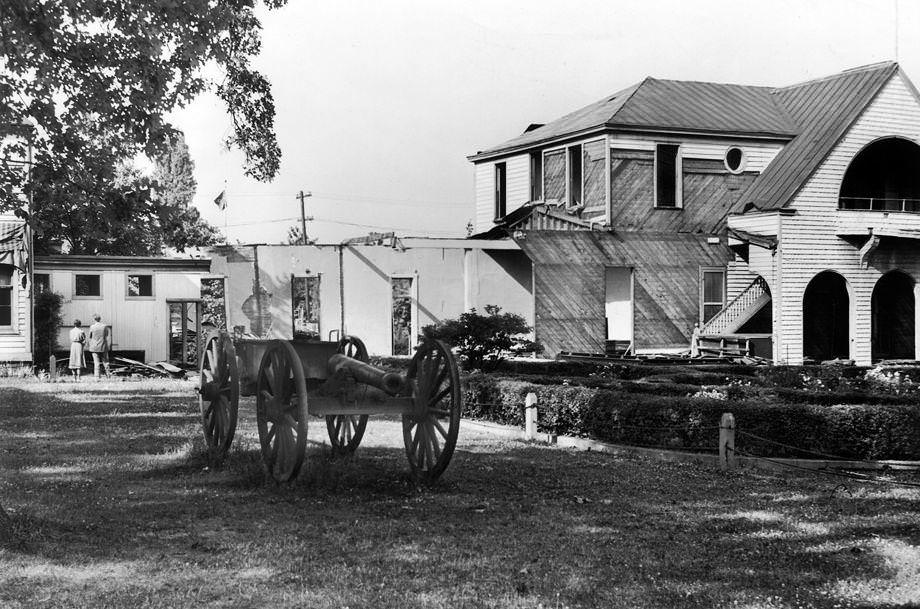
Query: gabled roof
[[812, 116], [671, 105], [824, 109]]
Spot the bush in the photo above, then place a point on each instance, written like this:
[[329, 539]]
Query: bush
[[621, 415], [482, 340], [48, 321]]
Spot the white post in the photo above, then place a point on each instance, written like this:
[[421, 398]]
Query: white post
[[530, 416], [727, 441], [52, 367]]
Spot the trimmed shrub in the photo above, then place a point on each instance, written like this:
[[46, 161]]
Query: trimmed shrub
[[621, 415], [47, 321]]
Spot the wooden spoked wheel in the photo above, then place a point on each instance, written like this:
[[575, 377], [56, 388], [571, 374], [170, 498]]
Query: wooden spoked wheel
[[218, 393], [346, 430], [281, 411], [430, 430]]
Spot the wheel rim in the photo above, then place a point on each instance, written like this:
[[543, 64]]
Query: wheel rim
[[430, 431], [281, 411], [346, 431], [218, 394]]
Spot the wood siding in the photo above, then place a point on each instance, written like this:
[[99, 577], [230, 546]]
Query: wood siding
[[757, 154], [710, 192], [808, 243], [517, 183], [569, 285]]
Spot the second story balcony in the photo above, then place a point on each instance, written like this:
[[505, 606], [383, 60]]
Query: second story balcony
[[880, 204], [883, 177]]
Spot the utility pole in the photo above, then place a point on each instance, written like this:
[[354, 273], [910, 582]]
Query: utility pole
[[303, 217]]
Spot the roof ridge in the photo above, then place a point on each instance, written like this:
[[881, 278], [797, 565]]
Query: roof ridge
[[866, 68], [711, 82], [634, 88]]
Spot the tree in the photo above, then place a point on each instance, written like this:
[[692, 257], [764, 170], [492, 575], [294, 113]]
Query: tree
[[482, 340], [106, 205], [123, 65], [295, 236]]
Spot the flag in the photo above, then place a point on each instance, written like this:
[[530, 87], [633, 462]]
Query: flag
[[221, 200]]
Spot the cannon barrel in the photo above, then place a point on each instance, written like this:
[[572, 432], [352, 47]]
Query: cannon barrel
[[391, 382]]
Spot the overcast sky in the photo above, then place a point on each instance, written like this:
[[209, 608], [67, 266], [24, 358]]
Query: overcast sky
[[379, 103]]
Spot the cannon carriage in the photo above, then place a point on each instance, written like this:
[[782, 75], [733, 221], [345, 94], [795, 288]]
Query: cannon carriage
[[293, 380]]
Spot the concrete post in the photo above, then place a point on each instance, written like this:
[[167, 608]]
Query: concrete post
[[530, 416], [52, 367], [727, 441]]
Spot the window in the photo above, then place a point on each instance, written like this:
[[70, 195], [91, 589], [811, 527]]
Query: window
[[6, 296], [213, 302], [42, 283], [536, 176], [402, 315], [140, 286], [667, 185], [574, 194], [712, 292], [554, 175], [501, 190], [87, 286], [305, 301], [734, 159]]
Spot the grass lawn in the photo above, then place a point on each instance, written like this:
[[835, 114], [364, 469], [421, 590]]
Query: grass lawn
[[115, 504]]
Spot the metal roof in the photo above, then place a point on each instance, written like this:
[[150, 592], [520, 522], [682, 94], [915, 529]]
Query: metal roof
[[825, 109], [671, 105], [80, 261]]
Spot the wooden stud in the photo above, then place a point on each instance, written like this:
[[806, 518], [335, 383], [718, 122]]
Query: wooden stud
[[727, 441], [530, 416]]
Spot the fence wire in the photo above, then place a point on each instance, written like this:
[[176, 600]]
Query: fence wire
[[802, 450]]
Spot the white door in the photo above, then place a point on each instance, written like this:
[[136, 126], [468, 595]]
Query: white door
[[618, 304]]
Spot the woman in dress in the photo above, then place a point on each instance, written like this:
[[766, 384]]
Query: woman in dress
[[77, 338]]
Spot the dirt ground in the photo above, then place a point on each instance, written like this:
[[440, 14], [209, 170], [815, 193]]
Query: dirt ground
[[115, 505]]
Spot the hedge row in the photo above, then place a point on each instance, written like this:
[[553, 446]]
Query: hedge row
[[856, 431]]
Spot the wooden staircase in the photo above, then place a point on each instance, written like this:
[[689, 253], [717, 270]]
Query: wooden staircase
[[736, 313]]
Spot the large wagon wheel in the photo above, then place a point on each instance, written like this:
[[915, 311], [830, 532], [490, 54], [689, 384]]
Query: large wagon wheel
[[218, 393], [430, 430], [346, 430], [281, 411]]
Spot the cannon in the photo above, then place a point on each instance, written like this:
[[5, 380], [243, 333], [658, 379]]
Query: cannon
[[295, 379]]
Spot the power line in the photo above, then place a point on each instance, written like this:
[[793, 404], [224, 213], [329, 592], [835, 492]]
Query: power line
[[345, 223], [356, 198]]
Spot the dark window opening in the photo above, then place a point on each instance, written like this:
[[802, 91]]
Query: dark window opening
[[6, 295], [713, 293], [402, 315], [87, 285], [893, 317], [501, 193], [826, 318], [140, 286], [574, 198], [213, 302], [884, 176], [306, 306], [733, 159], [536, 176], [42, 283], [666, 175]]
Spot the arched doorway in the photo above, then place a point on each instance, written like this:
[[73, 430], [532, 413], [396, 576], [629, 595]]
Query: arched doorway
[[826, 318], [893, 317]]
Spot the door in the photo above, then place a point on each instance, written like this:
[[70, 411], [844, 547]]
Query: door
[[618, 303]]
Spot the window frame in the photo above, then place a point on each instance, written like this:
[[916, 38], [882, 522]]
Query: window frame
[[414, 326], [500, 190], [678, 176], [11, 288], [128, 295], [319, 293], [703, 302], [536, 175], [35, 284], [742, 164], [99, 296], [567, 150]]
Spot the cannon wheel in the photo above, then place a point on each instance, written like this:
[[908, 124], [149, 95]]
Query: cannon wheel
[[430, 431], [281, 411], [346, 430], [218, 393]]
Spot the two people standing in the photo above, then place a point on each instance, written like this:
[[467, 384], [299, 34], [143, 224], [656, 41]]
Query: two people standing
[[98, 343]]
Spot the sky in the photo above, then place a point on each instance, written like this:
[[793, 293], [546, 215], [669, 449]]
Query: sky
[[378, 104]]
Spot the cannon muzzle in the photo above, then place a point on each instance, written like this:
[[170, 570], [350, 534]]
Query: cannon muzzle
[[391, 382]]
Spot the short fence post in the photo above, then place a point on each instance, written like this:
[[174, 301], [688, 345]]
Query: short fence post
[[530, 416], [727, 441], [52, 367]]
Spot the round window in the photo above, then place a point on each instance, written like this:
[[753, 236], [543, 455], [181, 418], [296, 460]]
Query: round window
[[734, 159]]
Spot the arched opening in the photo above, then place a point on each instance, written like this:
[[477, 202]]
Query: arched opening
[[884, 176], [893, 317], [826, 318]]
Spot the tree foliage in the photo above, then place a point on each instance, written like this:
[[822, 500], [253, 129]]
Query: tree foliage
[[48, 319], [295, 236], [482, 340], [80, 68]]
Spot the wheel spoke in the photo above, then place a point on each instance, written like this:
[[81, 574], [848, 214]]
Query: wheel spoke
[[429, 453], [439, 411], [435, 446], [437, 425], [271, 434], [208, 410], [441, 395], [268, 380]]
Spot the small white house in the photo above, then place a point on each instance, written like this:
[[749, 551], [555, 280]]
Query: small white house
[[153, 304], [15, 292]]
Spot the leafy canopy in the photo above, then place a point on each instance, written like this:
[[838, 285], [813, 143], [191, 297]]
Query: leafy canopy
[[94, 74], [482, 340]]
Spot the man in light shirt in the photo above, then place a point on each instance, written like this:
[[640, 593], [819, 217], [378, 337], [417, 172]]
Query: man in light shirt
[[99, 343]]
